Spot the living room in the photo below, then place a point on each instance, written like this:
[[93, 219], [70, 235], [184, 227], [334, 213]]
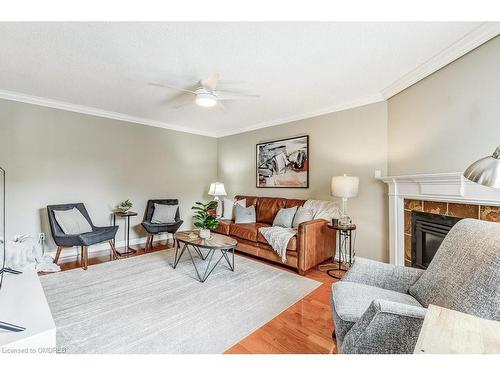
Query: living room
[[304, 187]]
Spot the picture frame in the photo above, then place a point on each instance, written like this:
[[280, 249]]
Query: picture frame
[[283, 163]]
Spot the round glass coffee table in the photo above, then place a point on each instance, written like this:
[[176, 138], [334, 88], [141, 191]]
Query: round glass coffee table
[[190, 240]]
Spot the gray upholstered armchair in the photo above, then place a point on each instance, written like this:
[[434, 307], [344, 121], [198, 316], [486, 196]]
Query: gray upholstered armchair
[[379, 308], [152, 228], [97, 235]]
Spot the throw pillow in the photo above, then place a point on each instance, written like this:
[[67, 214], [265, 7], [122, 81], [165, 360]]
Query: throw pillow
[[72, 221], [284, 218], [303, 214], [164, 213], [244, 215], [228, 207]]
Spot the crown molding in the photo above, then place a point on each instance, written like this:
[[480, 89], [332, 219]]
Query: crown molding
[[44, 102], [470, 41], [324, 111]]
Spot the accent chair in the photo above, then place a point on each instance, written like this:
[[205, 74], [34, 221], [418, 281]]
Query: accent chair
[[152, 228], [84, 240], [380, 308]]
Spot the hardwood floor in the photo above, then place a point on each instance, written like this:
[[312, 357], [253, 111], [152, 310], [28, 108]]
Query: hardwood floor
[[304, 328]]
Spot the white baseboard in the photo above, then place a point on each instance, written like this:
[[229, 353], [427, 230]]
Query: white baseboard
[[68, 254]]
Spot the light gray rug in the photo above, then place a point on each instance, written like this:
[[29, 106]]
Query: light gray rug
[[143, 305]]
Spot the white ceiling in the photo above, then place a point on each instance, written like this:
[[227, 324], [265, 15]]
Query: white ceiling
[[298, 69]]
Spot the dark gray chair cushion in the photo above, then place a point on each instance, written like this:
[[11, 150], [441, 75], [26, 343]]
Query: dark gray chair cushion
[[464, 275], [98, 234]]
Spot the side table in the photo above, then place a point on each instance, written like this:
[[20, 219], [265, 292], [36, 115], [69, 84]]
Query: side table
[[127, 215], [345, 250]]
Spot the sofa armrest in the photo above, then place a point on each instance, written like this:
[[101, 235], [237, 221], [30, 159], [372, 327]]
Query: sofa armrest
[[382, 275], [315, 243], [385, 328]]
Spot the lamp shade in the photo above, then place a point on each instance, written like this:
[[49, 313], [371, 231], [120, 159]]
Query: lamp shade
[[485, 171], [344, 186], [216, 189]]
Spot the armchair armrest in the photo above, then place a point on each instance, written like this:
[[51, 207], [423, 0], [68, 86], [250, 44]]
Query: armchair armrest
[[382, 275], [385, 328], [316, 243]]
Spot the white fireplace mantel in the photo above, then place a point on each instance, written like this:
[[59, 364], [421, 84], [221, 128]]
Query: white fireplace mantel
[[445, 187]]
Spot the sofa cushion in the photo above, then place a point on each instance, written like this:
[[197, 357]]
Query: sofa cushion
[[464, 275], [223, 227], [246, 231], [292, 244], [244, 215], [350, 300], [284, 217], [267, 208]]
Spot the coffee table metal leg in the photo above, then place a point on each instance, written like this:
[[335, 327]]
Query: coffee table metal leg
[[207, 271], [194, 264], [224, 253], [177, 259], [209, 268], [200, 254]]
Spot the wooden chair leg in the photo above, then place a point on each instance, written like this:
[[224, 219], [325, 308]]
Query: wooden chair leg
[[147, 243], [151, 242], [114, 253], [58, 253], [85, 257]]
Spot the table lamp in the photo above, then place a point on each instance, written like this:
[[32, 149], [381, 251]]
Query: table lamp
[[344, 187], [485, 171], [217, 189]]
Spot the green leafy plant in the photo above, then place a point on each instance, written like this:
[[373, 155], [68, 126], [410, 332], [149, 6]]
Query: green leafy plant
[[202, 217], [125, 205]]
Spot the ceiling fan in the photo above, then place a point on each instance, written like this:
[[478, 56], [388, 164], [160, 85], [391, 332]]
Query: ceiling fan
[[206, 93]]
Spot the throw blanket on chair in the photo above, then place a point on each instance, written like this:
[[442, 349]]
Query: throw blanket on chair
[[278, 238]]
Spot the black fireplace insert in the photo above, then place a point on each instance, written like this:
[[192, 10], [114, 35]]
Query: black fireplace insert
[[428, 231]]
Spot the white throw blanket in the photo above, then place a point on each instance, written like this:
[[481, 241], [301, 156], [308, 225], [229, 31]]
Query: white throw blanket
[[278, 238], [25, 253], [326, 210]]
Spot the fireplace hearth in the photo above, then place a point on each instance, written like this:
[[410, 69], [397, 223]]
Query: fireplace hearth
[[428, 231]]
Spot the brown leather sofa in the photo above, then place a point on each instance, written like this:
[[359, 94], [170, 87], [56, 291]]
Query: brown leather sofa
[[313, 244]]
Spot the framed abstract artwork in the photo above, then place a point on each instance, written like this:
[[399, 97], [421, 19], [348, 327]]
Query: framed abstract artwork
[[283, 163]]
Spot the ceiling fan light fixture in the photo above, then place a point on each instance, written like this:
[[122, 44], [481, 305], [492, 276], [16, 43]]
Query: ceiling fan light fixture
[[205, 99]]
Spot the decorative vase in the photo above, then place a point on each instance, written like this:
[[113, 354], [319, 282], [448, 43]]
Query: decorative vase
[[204, 233]]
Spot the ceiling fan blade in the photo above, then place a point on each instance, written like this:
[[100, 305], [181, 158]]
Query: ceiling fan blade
[[180, 105], [230, 95], [211, 81], [170, 87], [221, 106]]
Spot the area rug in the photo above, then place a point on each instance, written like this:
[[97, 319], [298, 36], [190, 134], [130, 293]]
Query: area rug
[[143, 305]]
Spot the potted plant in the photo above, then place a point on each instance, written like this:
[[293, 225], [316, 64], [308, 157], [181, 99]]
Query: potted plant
[[125, 206], [202, 218]]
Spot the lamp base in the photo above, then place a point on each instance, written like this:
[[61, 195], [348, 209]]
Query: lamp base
[[345, 220]]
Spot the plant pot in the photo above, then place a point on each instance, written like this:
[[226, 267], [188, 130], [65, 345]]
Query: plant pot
[[204, 233]]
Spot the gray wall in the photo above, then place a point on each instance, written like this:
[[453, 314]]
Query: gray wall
[[449, 119], [352, 142], [53, 156]]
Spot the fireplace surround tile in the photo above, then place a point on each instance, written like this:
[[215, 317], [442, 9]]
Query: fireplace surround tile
[[407, 249], [463, 210], [413, 204], [490, 213], [436, 207], [407, 222]]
